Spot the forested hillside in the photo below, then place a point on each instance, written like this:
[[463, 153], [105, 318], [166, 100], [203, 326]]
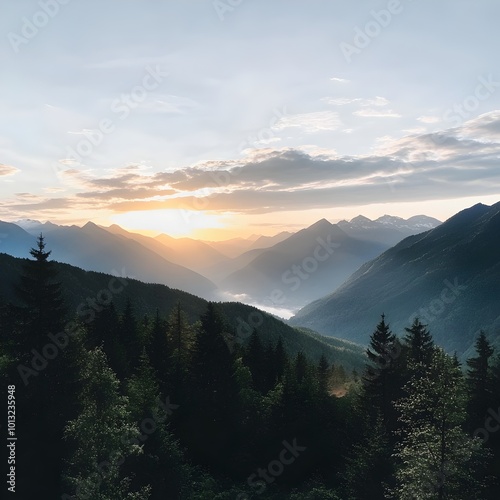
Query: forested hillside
[[121, 405]]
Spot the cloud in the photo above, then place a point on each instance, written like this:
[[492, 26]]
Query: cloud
[[339, 80], [452, 163], [167, 104], [344, 101], [372, 108], [340, 101], [429, 119], [50, 204], [377, 113], [7, 170], [319, 121]]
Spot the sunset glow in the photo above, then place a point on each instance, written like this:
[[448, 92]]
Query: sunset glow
[[176, 223]]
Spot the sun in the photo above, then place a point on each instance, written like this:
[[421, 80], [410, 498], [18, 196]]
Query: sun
[[177, 222]]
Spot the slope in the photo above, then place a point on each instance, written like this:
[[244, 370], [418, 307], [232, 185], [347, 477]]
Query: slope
[[447, 276], [303, 267], [87, 291]]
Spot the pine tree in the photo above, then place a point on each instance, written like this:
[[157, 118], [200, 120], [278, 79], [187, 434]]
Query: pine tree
[[420, 345], [254, 358], [44, 311], [323, 371], [479, 382], [159, 351], [436, 459], [380, 382], [181, 339], [44, 398], [212, 361], [214, 390], [162, 464], [277, 363], [129, 336], [105, 331], [301, 367]]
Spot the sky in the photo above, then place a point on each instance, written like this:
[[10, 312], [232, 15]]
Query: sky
[[232, 117]]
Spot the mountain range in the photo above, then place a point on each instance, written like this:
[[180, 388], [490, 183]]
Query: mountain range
[[339, 277], [316, 260], [258, 269], [387, 229], [95, 249], [447, 276]]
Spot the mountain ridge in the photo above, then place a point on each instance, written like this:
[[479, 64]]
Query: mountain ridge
[[457, 257]]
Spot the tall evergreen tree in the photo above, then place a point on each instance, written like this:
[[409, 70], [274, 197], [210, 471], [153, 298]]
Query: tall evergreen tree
[[43, 399], [130, 337], [161, 465], [41, 293], [419, 343], [301, 367], [254, 358], [212, 361], [380, 383], [214, 389], [159, 352], [105, 331], [323, 371], [181, 339], [277, 363], [479, 382]]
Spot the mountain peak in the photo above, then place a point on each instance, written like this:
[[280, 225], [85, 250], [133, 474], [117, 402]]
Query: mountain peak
[[361, 219], [390, 219], [322, 223], [90, 224], [466, 216], [27, 223]]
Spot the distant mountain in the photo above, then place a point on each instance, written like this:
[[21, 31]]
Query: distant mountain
[[14, 240], [304, 266], [82, 290], [93, 248], [192, 254], [234, 246], [269, 241], [448, 276], [219, 271], [388, 229]]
